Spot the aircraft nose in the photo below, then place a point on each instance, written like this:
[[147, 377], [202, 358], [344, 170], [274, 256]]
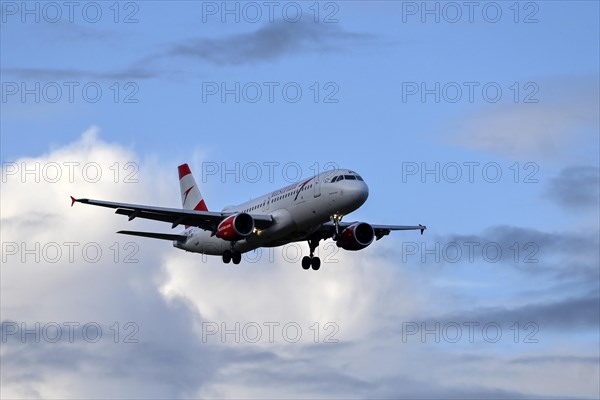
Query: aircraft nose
[[363, 192], [357, 191]]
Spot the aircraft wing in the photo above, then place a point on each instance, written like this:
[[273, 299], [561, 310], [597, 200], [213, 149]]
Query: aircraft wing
[[203, 219], [382, 230], [328, 228]]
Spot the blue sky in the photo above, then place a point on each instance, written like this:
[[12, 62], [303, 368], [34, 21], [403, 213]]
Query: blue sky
[[363, 60]]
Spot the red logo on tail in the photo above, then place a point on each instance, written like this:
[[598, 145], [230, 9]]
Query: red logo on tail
[[186, 194]]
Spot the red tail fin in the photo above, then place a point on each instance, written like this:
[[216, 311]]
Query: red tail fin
[[191, 198]]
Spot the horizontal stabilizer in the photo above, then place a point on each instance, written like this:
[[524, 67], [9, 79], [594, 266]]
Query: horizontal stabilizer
[[154, 235]]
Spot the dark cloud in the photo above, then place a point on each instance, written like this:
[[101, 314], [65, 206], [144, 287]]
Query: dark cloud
[[564, 255], [406, 388], [570, 314], [310, 376], [168, 361], [267, 43], [84, 32], [552, 242], [65, 74], [304, 375], [576, 187], [143, 370], [543, 359]]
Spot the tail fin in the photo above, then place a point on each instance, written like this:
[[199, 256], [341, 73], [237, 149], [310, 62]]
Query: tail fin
[[191, 199]]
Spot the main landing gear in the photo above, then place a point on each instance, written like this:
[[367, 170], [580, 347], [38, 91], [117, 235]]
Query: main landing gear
[[232, 255], [336, 218], [311, 261]]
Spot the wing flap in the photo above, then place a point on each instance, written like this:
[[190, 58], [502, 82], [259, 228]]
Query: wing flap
[[202, 219], [174, 219], [155, 235]]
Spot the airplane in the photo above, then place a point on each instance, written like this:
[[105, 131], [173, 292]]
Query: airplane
[[310, 210]]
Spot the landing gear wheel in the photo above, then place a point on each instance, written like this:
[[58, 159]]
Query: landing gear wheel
[[315, 263], [311, 260], [236, 257], [306, 261], [227, 256]]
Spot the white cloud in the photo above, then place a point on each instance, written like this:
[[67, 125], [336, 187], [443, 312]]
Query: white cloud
[[348, 293], [63, 287], [168, 294]]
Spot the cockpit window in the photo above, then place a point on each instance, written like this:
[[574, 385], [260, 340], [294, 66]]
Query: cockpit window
[[347, 177]]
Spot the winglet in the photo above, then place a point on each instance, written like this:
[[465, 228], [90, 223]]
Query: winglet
[[73, 200], [423, 227]]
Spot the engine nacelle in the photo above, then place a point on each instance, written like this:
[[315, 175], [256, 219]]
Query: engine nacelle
[[356, 237], [235, 227]]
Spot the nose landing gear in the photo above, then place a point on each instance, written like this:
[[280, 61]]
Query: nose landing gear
[[336, 218]]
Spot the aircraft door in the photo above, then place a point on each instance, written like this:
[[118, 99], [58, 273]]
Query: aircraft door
[[317, 185]]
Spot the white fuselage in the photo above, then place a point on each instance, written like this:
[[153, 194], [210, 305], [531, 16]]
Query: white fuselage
[[297, 210]]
